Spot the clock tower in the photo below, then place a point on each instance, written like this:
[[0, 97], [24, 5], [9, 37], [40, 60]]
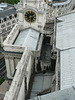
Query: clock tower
[[32, 13]]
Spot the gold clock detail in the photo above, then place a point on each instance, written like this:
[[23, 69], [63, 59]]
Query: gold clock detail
[[30, 16]]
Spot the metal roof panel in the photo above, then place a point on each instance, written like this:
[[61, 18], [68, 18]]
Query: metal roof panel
[[65, 32]]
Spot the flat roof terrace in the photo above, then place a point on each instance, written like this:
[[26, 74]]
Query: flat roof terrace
[[20, 38]]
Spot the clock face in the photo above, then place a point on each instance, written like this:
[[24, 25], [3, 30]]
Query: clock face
[[30, 16]]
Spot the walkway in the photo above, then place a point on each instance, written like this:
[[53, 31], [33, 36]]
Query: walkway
[[46, 53]]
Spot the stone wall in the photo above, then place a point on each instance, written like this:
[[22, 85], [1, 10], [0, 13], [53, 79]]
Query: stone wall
[[8, 43], [17, 88]]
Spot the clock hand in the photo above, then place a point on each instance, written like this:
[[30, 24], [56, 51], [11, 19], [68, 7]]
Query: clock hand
[[34, 15], [29, 16]]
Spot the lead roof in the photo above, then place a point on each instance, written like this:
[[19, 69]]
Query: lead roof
[[7, 12]]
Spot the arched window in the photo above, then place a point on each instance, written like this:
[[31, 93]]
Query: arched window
[[15, 15], [0, 20], [4, 19], [10, 17]]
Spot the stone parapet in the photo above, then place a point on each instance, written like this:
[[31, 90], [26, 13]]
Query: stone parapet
[[59, 9]]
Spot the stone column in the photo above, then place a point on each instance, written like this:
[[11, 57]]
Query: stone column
[[12, 65], [51, 41], [11, 23], [42, 65], [36, 62], [1, 39]]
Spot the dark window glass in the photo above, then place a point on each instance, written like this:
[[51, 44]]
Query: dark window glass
[[3, 25], [4, 19], [13, 21], [10, 17], [15, 15]]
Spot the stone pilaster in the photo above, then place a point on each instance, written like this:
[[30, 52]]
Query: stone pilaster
[[12, 65], [8, 67]]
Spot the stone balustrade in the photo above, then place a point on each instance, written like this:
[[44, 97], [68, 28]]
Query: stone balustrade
[[19, 78], [6, 25], [57, 9], [12, 36]]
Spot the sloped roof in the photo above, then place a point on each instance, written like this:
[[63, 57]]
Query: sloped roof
[[3, 5], [67, 68], [28, 38], [67, 94], [65, 32], [7, 12], [65, 42]]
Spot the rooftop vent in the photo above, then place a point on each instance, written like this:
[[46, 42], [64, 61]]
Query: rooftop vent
[[3, 5]]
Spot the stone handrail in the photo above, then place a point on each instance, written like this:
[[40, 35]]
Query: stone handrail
[[9, 39]]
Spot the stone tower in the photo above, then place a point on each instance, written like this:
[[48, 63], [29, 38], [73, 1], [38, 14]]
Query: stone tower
[[32, 13]]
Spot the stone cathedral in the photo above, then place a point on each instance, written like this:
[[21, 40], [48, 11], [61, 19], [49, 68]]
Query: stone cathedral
[[29, 50]]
